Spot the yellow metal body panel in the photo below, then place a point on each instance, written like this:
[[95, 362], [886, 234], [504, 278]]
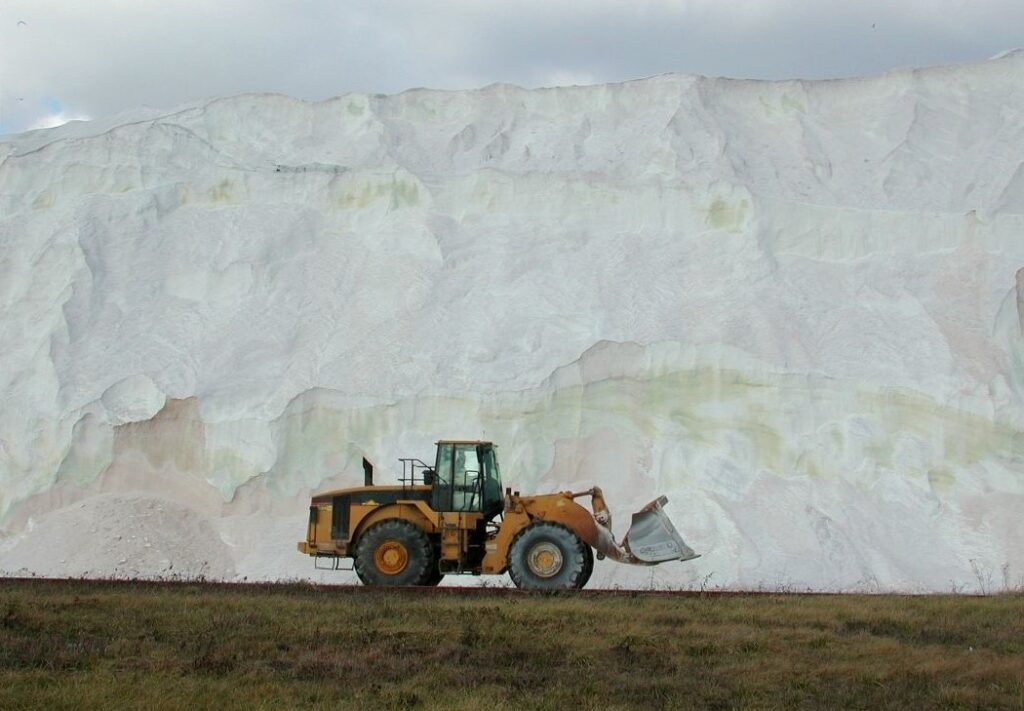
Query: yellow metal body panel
[[496, 558], [522, 510], [361, 515], [455, 528], [322, 530], [561, 508], [361, 489], [415, 512], [318, 532]]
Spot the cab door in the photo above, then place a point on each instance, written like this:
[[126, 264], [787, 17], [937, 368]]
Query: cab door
[[458, 481], [457, 496]]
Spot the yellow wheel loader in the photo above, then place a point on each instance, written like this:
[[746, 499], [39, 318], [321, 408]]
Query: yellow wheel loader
[[452, 517]]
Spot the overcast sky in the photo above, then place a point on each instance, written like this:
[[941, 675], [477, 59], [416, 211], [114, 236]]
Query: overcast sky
[[64, 59]]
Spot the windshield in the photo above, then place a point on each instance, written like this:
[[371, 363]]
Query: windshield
[[466, 478]]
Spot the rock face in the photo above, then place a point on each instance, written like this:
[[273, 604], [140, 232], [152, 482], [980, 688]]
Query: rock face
[[791, 306]]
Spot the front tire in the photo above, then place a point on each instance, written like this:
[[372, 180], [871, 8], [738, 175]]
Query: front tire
[[588, 566], [547, 556], [394, 552]]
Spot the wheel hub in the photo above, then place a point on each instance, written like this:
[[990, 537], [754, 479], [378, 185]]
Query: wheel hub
[[544, 560], [391, 557]]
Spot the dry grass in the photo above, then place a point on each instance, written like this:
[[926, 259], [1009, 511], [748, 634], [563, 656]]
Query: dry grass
[[117, 645]]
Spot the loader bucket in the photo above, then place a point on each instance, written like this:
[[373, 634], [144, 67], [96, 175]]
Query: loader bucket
[[653, 539]]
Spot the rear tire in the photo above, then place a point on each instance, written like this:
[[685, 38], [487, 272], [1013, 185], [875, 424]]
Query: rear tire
[[434, 578], [547, 556], [394, 552]]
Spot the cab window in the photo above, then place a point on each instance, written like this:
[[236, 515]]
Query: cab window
[[466, 479]]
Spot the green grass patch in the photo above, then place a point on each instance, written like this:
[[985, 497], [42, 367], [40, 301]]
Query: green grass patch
[[128, 645]]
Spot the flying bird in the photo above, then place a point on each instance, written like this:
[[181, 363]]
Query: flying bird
[[22, 22]]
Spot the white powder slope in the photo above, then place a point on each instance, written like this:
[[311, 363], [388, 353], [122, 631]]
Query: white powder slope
[[794, 307]]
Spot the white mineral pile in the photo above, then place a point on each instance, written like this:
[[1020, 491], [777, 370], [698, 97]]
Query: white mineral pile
[[793, 307]]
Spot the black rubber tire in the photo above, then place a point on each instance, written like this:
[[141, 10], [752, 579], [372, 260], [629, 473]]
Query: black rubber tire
[[571, 548], [420, 554], [588, 567], [434, 578]]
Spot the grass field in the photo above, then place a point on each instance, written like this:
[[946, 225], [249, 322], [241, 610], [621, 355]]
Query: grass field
[[128, 645]]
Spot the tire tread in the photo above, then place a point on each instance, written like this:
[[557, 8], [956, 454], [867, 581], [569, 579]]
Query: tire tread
[[562, 536], [421, 553]]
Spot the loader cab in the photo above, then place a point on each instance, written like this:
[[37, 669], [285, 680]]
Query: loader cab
[[466, 478]]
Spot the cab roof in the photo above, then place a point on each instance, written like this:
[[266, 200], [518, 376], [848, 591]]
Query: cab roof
[[477, 442]]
